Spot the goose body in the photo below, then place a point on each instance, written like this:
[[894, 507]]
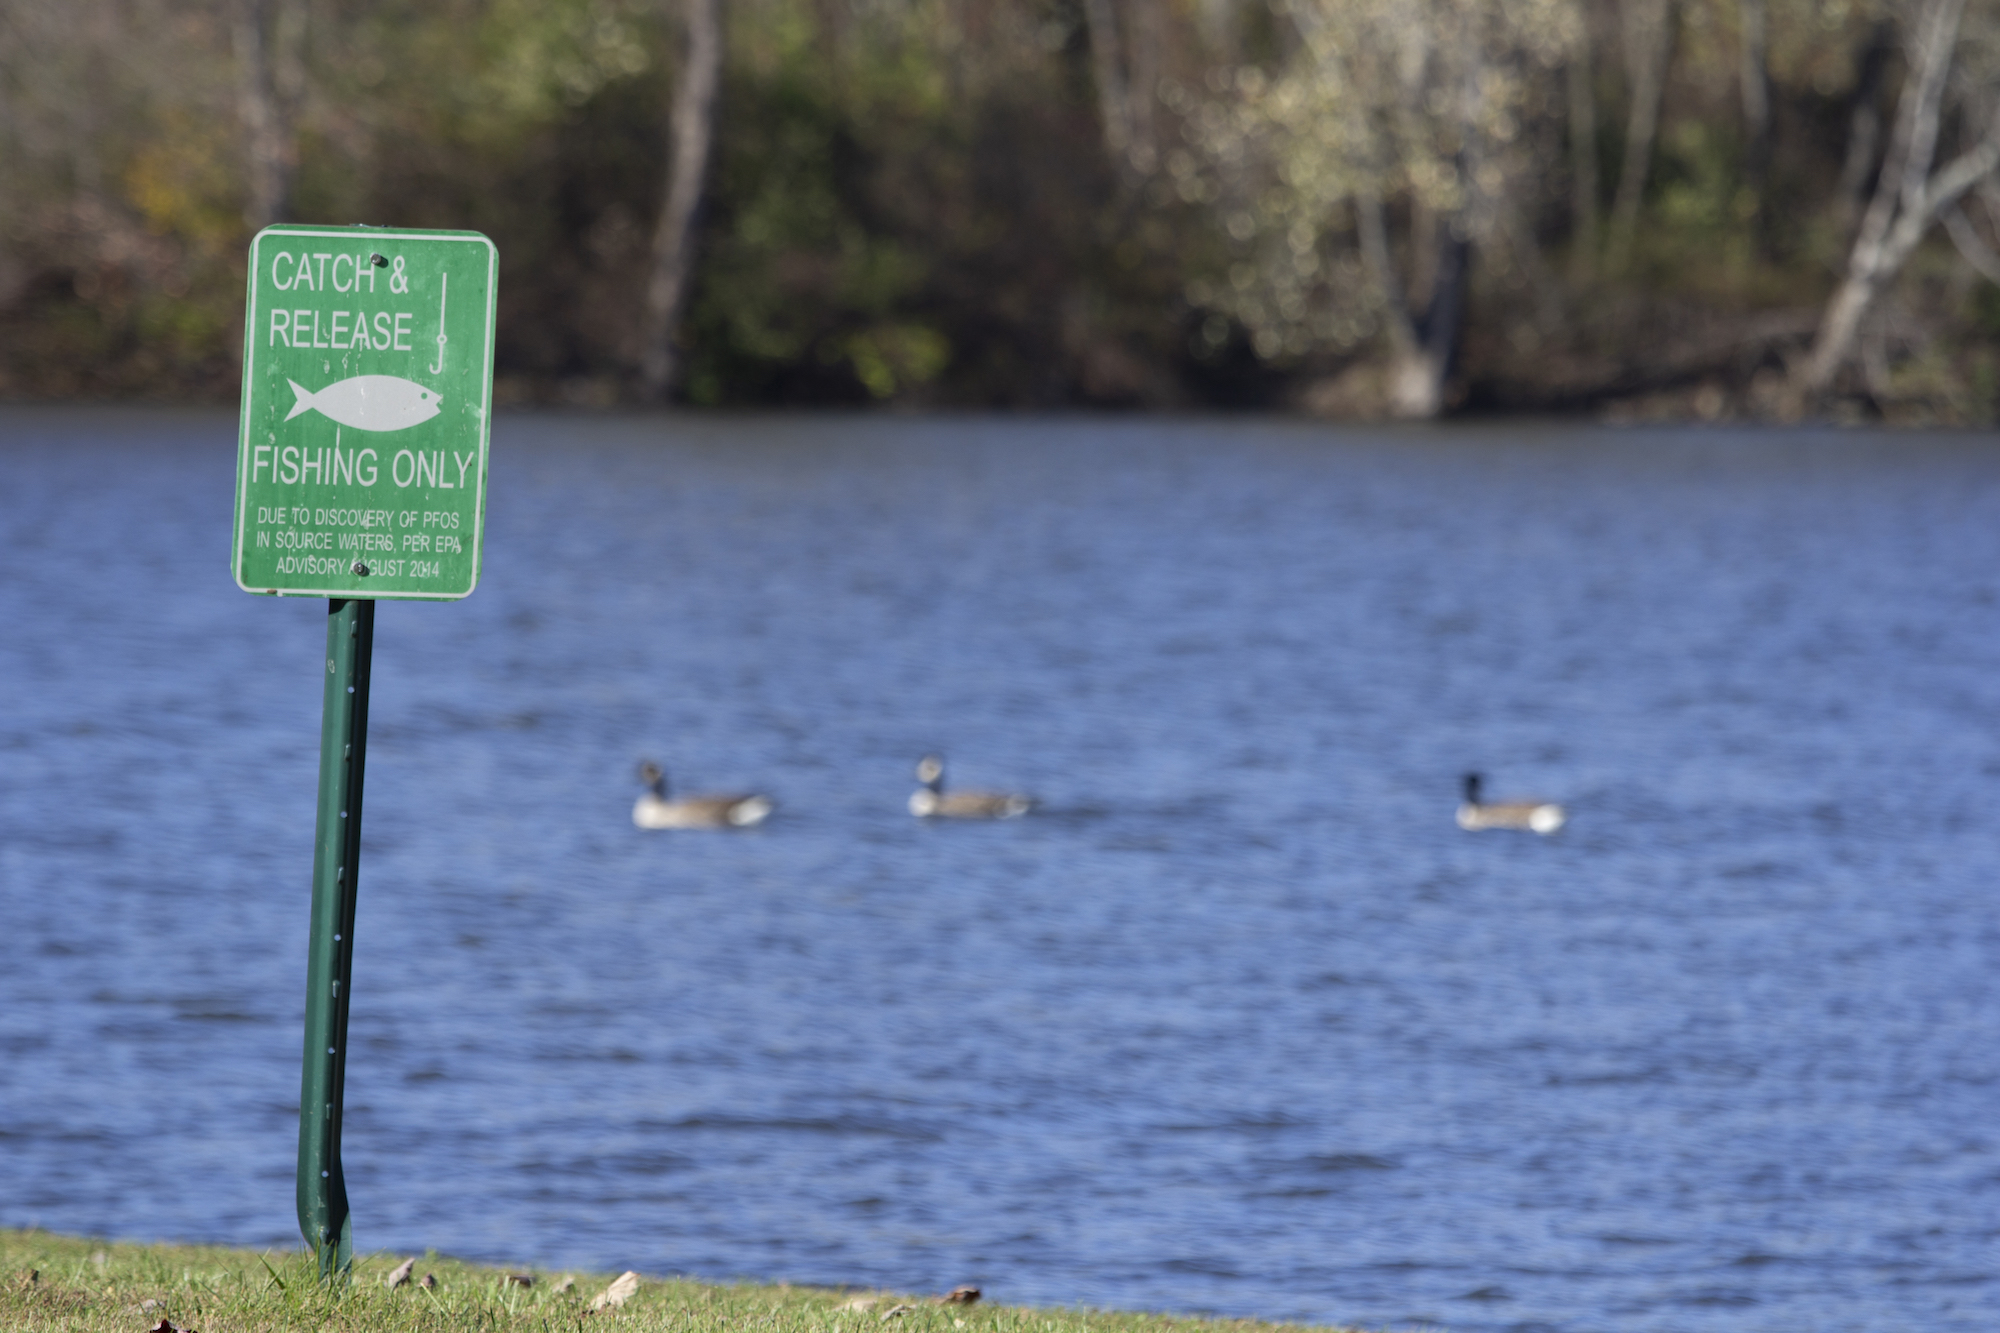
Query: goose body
[[931, 801], [655, 809], [1474, 815]]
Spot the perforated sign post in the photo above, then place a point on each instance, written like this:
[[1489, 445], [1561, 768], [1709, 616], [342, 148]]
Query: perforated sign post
[[360, 474]]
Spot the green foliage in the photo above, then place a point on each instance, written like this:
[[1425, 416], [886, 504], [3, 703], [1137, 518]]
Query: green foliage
[[809, 271]]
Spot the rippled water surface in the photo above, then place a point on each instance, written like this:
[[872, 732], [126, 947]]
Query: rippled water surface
[[1238, 1021]]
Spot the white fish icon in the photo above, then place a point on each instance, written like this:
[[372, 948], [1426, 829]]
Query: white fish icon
[[369, 402]]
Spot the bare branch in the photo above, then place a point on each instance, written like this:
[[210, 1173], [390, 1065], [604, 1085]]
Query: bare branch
[[1940, 35], [1908, 198], [1969, 245]]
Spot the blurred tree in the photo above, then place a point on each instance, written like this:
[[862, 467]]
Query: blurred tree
[[692, 131], [268, 36], [1419, 108], [1754, 82], [1648, 29], [1909, 196], [1580, 84], [1125, 59], [1864, 133]]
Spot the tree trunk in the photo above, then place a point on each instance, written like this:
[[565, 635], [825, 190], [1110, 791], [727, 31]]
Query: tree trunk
[[1754, 78], [1421, 349], [1107, 66], [1142, 31], [1219, 22], [1583, 185], [1864, 128], [1649, 42], [1443, 315], [1908, 200], [1424, 256], [267, 36], [1125, 67], [691, 126]]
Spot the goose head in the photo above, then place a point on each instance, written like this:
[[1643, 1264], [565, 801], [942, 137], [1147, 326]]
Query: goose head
[[654, 777], [930, 772], [1472, 789]]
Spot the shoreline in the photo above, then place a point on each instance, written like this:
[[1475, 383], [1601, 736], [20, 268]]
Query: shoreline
[[83, 1284]]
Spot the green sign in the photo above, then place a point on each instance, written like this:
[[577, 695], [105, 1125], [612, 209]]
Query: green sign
[[367, 393]]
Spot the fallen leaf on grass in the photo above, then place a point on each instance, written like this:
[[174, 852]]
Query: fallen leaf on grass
[[518, 1280], [959, 1296], [430, 1282], [859, 1303], [896, 1312], [400, 1277], [567, 1284], [619, 1292]]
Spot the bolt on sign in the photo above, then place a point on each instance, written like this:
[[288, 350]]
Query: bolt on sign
[[367, 396]]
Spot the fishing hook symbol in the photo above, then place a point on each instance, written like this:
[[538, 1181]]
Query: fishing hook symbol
[[444, 283]]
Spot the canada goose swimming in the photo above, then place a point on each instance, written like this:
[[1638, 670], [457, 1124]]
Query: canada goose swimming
[[655, 810], [931, 800], [1542, 817]]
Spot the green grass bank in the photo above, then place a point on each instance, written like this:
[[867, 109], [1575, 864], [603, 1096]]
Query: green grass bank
[[79, 1285]]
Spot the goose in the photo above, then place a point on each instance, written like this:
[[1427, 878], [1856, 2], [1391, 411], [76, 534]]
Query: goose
[[931, 800], [1542, 817], [655, 810]]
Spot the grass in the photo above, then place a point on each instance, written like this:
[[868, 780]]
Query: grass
[[76, 1285]]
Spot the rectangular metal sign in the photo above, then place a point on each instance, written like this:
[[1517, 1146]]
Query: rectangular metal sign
[[367, 396]]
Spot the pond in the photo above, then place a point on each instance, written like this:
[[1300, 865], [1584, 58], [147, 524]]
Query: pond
[[1237, 1020]]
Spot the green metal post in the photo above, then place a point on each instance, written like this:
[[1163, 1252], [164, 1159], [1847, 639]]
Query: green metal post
[[343, 744]]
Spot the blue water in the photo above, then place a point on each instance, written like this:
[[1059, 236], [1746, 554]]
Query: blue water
[[1238, 1021]]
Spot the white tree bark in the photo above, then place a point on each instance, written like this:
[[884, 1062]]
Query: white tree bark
[[691, 127], [1909, 198]]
